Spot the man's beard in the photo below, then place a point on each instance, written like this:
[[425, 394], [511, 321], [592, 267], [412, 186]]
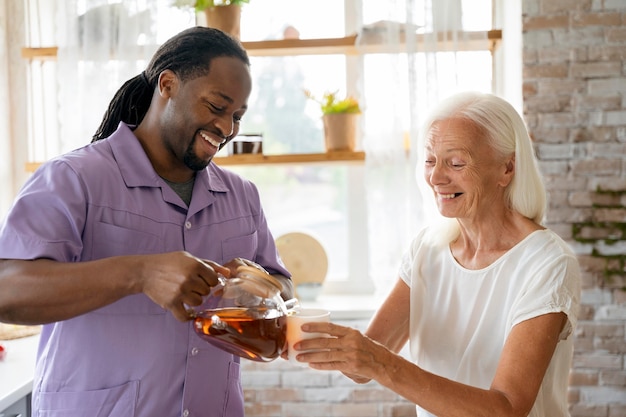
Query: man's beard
[[192, 161]]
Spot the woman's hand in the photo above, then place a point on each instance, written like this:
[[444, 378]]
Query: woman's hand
[[346, 350], [363, 357]]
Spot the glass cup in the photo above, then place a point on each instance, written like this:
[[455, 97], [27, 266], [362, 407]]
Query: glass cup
[[295, 333]]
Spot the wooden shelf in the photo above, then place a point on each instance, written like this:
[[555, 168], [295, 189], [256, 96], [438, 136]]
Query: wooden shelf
[[260, 159], [292, 47], [42, 54], [370, 43]]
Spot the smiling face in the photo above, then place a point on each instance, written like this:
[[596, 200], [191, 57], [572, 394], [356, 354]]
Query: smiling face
[[466, 175], [203, 113]]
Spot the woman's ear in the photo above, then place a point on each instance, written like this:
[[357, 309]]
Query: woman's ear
[[509, 171], [510, 165]]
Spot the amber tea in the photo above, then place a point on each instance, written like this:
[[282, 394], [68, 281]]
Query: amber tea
[[252, 333]]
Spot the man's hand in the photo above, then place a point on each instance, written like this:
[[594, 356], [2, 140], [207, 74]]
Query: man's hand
[[176, 279]]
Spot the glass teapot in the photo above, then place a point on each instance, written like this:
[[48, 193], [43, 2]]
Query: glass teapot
[[245, 315]]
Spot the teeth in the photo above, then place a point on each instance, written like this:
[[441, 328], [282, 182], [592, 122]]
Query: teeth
[[211, 140], [447, 195]]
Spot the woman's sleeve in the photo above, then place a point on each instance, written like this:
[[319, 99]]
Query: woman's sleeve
[[553, 289]]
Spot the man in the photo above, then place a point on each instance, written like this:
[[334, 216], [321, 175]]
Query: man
[[108, 244]]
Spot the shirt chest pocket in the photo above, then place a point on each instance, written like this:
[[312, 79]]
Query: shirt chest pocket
[[116, 240], [120, 239], [240, 247], [118, 401]]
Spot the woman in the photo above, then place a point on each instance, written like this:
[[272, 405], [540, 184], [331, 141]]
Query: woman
[[489, 299]]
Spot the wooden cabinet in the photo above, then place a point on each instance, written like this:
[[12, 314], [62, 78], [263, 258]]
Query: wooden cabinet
[[16, 376], [20, 408]]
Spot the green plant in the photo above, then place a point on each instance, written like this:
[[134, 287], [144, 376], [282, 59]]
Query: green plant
[[331, 104], [200, 5]]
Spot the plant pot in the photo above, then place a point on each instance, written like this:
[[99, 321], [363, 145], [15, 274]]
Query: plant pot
[[340, 131], [225, 18]]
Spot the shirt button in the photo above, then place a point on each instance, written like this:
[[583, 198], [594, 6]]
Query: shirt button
[[194, 351], [186, 413], [187, 225]]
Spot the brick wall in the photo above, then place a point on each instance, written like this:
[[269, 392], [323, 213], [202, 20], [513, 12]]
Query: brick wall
[[575, 105]]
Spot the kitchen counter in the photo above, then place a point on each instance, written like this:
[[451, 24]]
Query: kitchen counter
[[17, 370]]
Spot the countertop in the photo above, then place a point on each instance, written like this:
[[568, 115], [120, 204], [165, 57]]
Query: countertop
[[17, 369]]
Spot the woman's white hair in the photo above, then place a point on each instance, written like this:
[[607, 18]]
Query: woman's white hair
[[507, 134]]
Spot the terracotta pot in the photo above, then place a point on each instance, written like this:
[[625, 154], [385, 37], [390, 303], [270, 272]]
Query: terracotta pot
[[340, 131], [224, 18]]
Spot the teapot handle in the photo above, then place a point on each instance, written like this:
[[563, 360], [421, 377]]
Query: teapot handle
[[217, 290]]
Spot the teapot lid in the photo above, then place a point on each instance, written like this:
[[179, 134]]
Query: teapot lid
[[257, 281]]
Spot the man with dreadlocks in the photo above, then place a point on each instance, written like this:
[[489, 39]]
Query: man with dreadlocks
[[106, 245]]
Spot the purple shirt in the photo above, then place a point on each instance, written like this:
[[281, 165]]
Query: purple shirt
[[133, 358]]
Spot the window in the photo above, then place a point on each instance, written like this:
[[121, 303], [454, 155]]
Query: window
[[349, 207], [330, 201]]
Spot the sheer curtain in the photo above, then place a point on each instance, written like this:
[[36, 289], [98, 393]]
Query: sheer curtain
[[418, 72], [101, 45], [12, 103], [6, 176]]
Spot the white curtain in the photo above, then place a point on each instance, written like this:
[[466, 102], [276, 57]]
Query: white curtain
[[406, 83], [13, 147], [6, 176], [101, 45]]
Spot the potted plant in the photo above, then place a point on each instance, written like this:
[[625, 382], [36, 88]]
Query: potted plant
[[220, 14], [339, 116]]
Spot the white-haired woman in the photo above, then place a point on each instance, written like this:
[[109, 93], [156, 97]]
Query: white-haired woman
[[488, 300]]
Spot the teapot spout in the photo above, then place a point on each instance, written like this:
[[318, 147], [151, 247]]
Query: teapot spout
[[292, 306]]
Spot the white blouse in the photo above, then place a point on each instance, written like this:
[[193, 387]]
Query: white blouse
[[460, 318]]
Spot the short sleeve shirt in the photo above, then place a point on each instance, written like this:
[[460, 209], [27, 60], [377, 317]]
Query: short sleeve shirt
[[133, 358], [460, 318]]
